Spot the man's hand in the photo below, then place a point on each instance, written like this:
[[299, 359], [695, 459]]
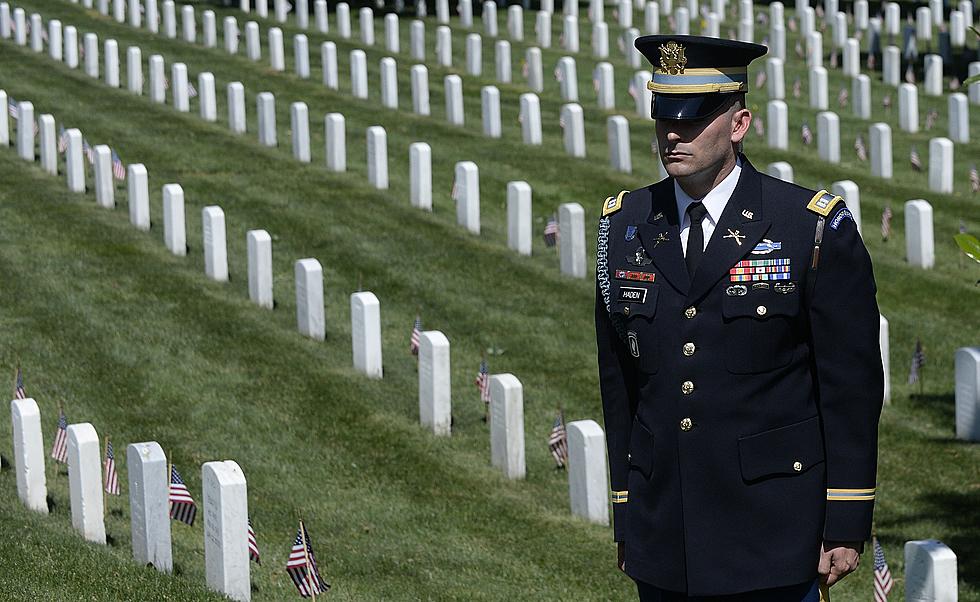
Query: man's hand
[[837, 562], [621, 555]]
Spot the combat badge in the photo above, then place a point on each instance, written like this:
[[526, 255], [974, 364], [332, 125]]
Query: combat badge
[[630, 232], [785, 288], [736, 290], [639, 257], [766, 246]]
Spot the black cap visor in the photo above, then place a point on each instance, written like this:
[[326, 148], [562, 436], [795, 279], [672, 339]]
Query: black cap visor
[[688, 106]]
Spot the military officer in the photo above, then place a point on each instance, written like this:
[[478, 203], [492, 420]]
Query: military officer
[[739, 364]]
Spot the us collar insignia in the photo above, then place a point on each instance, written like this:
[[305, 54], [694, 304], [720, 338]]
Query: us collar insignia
[[639, 257], [662, 237], [767, 246], [659, 215], [630, 233], [747, 214], [736, 235], [672, 59]]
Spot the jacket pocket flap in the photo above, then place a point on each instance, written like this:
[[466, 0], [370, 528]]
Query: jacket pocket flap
[[648, 308], [641, 448], [760, 305], [787, 450]]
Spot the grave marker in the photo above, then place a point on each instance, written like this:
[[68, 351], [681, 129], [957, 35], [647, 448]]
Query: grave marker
[[226, 562], [104, 186], [420, 175], [328, 59], [358, 74], [828, 136], [74, 163], [85, 482], [920, 249], [490, 104], [301, 56], [25, 130], [236, 107], [149, 512], [454, 99], [618, 135], [377, 157], [309, 299], [467, 195], [365, 313], [174, 230], [571, 239], [930, 572], [335, 137], [435, 391], [266, 108], [519, 217], [530, 118], [507, 425], [574, 124], [420, 90], [967, 378], [299, 117], [134, 70], [47, 144], [29, 454], [881, 150], [941, 165], [908, 108], [259, 246], [215, 246], [588, 484], [181, 96], [138, 196]]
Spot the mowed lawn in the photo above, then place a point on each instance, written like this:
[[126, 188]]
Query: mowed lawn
[[106, 321]]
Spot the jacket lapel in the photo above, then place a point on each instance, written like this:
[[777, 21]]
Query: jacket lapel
[[741, 226], [660, 236]]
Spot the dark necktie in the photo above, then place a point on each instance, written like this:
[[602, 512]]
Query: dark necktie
[[695, 238]]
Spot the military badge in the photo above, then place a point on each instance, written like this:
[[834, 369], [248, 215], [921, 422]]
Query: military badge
[[738, 236], [840, 217], [634, 343], [636, 276], [736, 290], [672, 59], [766, 246], [785, 288], [630, 232], [639, 257], [752, 270]]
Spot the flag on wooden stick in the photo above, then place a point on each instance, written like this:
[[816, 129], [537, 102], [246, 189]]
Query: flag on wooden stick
[[302, 567]]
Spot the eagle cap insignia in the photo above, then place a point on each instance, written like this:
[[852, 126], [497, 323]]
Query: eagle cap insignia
[[672, 59]]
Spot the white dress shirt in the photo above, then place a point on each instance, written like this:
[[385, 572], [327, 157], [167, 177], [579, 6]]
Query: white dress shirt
[[714, 202]]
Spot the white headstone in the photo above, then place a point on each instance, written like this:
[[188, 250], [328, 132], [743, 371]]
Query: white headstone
[[343, 19], [231, 35], [20, 27], [358, 74], [682, 21], [215, 243], [392, 41], [366, 19], [777, 125], [328, 59], [515, 23], [74, 163], [262, 8], [814, 50], [365, 313], [138, 196], [933, 82], [574, 125], [420, 175], [389, 83], [299, 119], [102, 172], [775, 81], [169, 19], [974, 89], [908, 108], [47, 144], [111, 59], [502, 61], [309, 299], [828, 137], [474, 54], [435, 390], [930, 572], [534, 75], [25, 130], [967, 378], [588, 484], [507, 425], [604, 85], [259, 245], [519, 217], [861, 94], [4, 121], [530, 118], [174, 229], [923, 24], [651, 18], [29, 454], [377, 157], [301, 56], [571, 239], [188, 26], [5, 24], [881, 150], [416, 40], [570, 34], [490, 105], [85, 482], [567, 78], [226, 561], [55, 45], [465, 9], [71, 47], [253, 49], [209, 36], [158, 90], [890, 65], [959, 118], [282, 10], [266, 109], [781, 170], [885, 356], [542, 29], [236, 107], [277, 52], [642, 96], [852, 196], [206, 97], [444, 46], [454, 99], [625, 13], [618, 135], [442, 11], [941, 165], [152, 16], [490, 18], [466, 187], [302, 13], [181, 93], [420, 90], [134, 70], [149, 511], [600, 40], [335, 136], [920, 249]]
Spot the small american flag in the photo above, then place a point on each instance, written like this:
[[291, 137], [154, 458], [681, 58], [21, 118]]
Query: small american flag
[[632, 89], [860, 149], [760, 79], [760, 126], [59, 451], [883, 576], [62, 140], [799, 48], [524, 68], [833, 59], [886, 223], [12, 108], [797, 88], [842, 97], [182, 506], [253, 547], [910, 74], [954, 84], [482, 381], [792, 24], [806, 134], [191, 90], [551, 232], [301, 566], [111, 484], [974, 179], [118, 169], [19, 392], [915, 160], [871, 62], [558, 441], [931, 118], [886, 101], [89, 151], [559, 76], [918, 361], [413, 345]]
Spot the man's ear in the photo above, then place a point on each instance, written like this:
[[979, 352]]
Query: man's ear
[[741, 120]]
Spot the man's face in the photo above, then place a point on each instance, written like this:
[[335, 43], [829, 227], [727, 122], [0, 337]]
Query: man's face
[[690, 146]]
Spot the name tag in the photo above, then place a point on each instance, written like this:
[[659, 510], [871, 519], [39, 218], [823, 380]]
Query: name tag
[[632, 294]]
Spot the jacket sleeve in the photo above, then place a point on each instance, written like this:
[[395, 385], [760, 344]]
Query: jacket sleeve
[[844, 323], [616, 385]]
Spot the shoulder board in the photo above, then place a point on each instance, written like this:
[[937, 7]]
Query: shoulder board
[[613, 203], [823, 203]]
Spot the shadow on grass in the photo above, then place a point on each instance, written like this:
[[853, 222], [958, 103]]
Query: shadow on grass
[[941, 407]]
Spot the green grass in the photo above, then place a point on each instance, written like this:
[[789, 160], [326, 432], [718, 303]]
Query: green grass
[[141, 344]]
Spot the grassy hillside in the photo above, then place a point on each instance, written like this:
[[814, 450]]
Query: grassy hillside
[[141, 344]]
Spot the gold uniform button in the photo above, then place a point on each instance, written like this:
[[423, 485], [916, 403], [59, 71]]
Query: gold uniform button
[[688, 349], [626, 310], [687, 387], [797, 466], [686, 424], [690, 312], [761, 310]]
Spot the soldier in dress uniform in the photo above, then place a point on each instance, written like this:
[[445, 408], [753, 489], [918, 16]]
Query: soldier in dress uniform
[[739, 363]]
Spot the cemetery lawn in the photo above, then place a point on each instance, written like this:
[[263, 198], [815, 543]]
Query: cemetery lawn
[[105, 320]]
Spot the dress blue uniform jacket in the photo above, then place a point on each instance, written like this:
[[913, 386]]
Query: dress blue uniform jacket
[[741, 406]]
